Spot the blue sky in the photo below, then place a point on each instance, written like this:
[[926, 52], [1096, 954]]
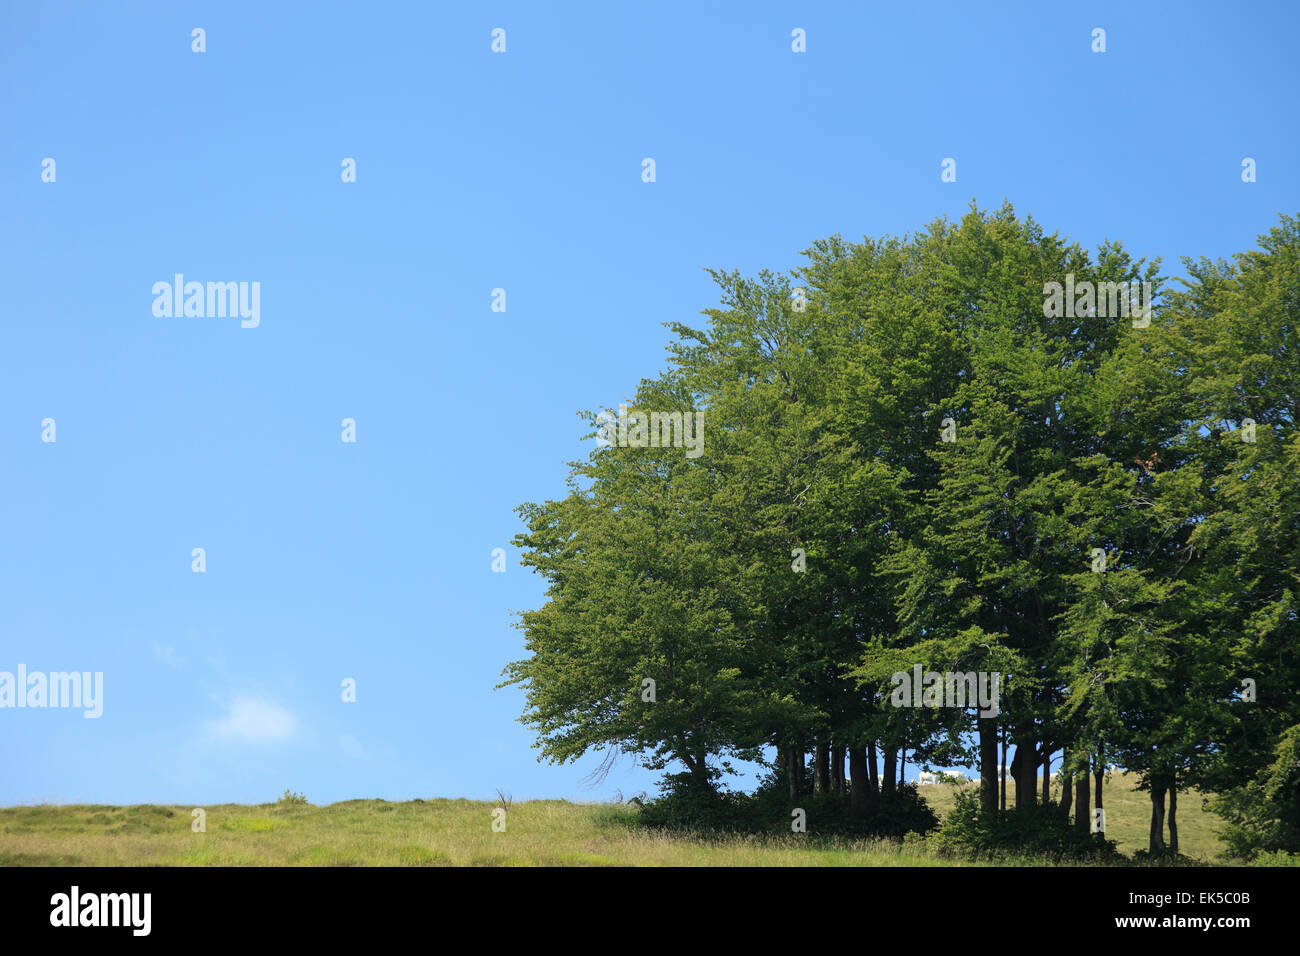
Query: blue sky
[[372, 560]]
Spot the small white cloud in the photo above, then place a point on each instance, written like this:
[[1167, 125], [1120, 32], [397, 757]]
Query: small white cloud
[[250, 720]]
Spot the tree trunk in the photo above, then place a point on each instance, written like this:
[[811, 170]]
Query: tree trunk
[[822, 768], [1047, 776], [1173, 817], [902, 767], [1156, 843], [871, 766], [988, 731], [1003, 776], [1067, 786], [1099, 775], [698, 768], [792, 772], [1082, 813], [1026, 757], [891, 770], [859, 781], [837, 768]]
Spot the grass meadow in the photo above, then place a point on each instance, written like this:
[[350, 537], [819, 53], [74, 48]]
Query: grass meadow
[[443, 832]]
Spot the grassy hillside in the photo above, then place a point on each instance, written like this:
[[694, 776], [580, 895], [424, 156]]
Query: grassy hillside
[[458, 832], [1128, 815]]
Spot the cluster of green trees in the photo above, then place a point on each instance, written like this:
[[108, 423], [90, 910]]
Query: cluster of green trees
[[909, 459]]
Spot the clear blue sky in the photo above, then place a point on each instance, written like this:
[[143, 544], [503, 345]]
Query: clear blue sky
[[475, 171]]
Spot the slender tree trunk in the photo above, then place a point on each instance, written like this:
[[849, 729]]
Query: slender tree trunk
[[1099, 776], [822, 768], [1067, 786], [837, 768], [1173, 817], [1082, 812], [891, 770], [1047, 776], [902, 767], [871, 766], [1026, 757], [1156, 843], [859, 781], [988, 732], [1003, 777], [792, 770]]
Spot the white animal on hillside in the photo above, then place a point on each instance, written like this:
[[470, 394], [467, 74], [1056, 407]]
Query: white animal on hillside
[[926, 777]]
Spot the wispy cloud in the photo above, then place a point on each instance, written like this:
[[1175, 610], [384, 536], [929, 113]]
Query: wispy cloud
[[250, 720]]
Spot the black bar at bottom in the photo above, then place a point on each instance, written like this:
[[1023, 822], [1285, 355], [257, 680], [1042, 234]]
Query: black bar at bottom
[[331, 905]]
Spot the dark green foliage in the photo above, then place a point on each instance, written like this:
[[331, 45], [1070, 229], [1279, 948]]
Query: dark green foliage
[[1039, 831], [768, 810], [1168, 448], [1264, 814]]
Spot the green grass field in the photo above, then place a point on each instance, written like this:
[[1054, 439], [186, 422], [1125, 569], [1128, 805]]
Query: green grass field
[[459, 833]]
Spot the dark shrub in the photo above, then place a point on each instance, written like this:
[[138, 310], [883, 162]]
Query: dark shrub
[[1041, 830]]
